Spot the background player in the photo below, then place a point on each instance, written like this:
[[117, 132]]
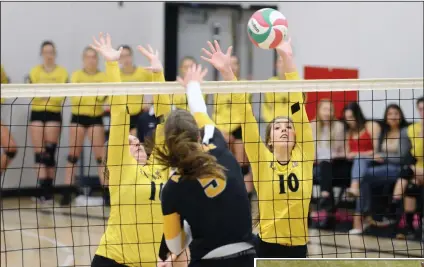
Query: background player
[[134, 230], [227, 123], [87, 120], [205, 189], [179, 101], [131, 73], [46, 119], [7, 142], [281, 167]]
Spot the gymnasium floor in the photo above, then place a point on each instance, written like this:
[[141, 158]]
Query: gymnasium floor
[[47, 237]]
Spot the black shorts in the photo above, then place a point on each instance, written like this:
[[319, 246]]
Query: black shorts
[[100, 261], [46, 116], [86, 121], [273, 250], [134, 121], [241, 261], [237, 133]]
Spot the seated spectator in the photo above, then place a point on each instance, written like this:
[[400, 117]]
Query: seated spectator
[[412, 177], [385, 165], [361, 136], [330, 156]]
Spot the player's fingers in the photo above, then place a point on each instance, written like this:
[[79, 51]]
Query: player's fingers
[[229, 51], [157, 53], [217, 47], [211, 47], [203, 74], [207, 53], [101, 38], [108, 40], [206, 59], [120, 50], [95, 47], [96, 43], [180, 80], [150, 49], [143, 51], [198, 69]]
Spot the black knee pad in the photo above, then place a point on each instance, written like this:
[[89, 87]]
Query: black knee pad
[[412, 190], [49, 155], [39, 158], [99, 161], [72, 159], [245, 169], [406, 172], [11, 154]]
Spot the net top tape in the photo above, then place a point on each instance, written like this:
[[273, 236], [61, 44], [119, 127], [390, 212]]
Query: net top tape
[[152, 88]]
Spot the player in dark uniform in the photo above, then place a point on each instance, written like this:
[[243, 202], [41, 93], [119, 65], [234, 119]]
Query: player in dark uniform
[[204, 202]]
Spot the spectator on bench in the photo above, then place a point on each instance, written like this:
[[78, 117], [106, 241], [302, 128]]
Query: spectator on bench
[[412, 177], [331, 164], [385, 166]]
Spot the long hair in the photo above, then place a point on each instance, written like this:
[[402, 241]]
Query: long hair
[[357, 114], [320, 122], [182, 150], [385, 126]]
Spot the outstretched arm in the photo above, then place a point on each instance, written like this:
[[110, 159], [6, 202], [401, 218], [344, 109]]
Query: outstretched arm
[[255, 149], [118, 147]]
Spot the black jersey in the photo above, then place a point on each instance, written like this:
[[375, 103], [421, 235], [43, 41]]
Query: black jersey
[[217, 210]]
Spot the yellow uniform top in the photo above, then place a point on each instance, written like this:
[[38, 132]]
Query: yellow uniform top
[[179, 101], [3, 79], [225, 118], [39, 75], [135, 102], [284, 191], [270, 101], [88, 105], [134, 230], [415, 136]]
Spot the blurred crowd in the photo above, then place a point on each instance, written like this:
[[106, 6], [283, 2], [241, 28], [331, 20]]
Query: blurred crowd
[[364, 157]]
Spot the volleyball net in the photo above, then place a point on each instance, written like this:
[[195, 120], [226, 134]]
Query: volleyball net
[[69, 235]]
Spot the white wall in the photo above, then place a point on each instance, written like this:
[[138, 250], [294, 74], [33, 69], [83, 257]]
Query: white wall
[[70, 25], [382, 40]]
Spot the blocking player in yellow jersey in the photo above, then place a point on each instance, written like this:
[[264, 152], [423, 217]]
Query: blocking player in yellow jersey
[[8, 148], [86, 121], [46, 119], [131, 73], [134, 229], [281, 166], [228, 122]]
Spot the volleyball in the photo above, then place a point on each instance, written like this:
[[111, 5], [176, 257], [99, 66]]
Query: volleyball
[[267, 28]]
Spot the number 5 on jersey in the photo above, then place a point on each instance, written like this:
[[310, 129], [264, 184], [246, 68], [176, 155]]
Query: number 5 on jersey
[[213, 186]]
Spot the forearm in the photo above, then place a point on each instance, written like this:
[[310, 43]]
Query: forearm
[[195, 99]]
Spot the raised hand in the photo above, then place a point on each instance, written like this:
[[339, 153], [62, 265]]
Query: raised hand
[[104, 47], [137, 150], [153, 57], [221, 61], [195, 73], [285, 49]]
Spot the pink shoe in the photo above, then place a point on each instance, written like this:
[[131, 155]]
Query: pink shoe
[[343, 216], [402, 222], [417, 222]]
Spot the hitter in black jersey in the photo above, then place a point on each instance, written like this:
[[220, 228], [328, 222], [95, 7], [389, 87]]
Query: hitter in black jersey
[[204, 202]]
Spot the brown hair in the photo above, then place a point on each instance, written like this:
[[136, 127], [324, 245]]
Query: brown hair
[[268, 130], [88, 48], [320, 122], [183, 151]]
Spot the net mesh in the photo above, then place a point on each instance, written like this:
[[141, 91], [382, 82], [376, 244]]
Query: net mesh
[[43, 233]]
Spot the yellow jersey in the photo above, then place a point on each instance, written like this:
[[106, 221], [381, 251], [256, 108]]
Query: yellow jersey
[[3, 80], [39, 75], [135, 102], [134, 229], [415, 136], [88, 105], [269, 102], [284, 191], [225, 118]]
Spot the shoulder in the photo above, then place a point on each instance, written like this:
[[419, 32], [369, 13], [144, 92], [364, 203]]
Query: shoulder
[[76, 74], [101, 75], [61, 70], [372, 126], [36, 69], [413, 128]]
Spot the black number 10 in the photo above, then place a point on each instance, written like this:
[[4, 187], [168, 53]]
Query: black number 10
[[153, 191], [292, 183]]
